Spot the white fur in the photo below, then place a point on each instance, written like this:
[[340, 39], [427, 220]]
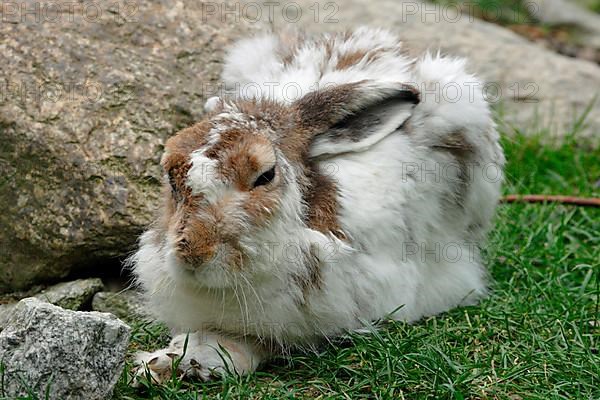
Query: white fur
[[203, 177], [254, 69], [410, 248]]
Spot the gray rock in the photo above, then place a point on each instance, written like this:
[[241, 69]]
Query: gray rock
[[88, 93], [538, 88], [71, 295], [128, 305], [67, 354]]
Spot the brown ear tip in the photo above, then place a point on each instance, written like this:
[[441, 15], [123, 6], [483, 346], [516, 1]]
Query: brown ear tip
[[409, 93]]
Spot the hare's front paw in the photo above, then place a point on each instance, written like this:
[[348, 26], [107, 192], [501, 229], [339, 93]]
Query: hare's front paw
[[156, 366], [203, 362], [195, 356]]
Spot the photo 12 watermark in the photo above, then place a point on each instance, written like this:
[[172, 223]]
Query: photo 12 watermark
[[270, 11], [86, 91], [62, 12], [515, 11]]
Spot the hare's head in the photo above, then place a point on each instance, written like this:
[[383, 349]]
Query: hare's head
[[248, 168]]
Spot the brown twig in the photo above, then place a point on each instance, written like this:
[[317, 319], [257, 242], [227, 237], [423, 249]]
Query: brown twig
[[542, 198]]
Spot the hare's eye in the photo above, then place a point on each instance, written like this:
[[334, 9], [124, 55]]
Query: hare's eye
[[265, 178]]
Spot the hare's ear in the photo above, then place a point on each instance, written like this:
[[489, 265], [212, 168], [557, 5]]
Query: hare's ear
[[354, 116]]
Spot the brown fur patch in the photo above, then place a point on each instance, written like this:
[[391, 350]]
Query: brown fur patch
[[456, 144], [313, 280], [176, 164], [194, 239], [462, 151], [189, 139], [176, 159], [271, 113], [227, 140], [348, 60], [242, 161], [245, 153], [351, 59], [197, 240], [321, 198], [321, 109]]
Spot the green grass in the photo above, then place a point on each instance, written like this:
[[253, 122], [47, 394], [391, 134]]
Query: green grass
[[536, 337]]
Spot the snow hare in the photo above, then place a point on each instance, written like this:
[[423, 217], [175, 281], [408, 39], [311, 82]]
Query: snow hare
[[338, 182]]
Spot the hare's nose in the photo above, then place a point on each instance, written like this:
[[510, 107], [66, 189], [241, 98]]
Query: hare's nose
[[195, 253]]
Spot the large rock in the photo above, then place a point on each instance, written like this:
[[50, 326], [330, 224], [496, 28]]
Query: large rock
[[537, 88], [88, 93], [66, 354]]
